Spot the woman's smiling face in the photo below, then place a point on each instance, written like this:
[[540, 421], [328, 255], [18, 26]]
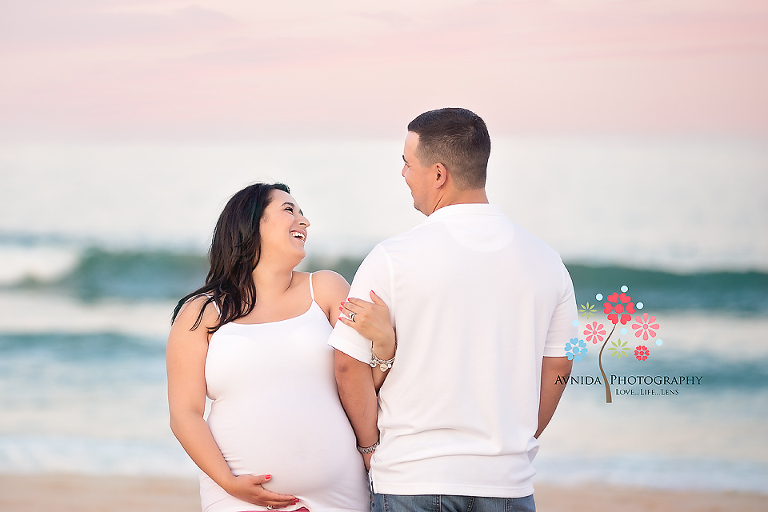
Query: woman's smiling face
[[283, 227]]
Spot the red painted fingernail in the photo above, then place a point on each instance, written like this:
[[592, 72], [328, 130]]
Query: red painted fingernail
[[268, 477], [341, 309]]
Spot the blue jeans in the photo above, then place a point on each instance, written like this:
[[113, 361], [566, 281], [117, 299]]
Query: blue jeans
[[449, 503]]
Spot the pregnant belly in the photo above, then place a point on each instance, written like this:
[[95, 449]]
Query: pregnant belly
[[303, 454]]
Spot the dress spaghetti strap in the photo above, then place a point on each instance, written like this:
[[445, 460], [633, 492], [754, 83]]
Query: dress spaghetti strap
[[311, 291], [218, 310]]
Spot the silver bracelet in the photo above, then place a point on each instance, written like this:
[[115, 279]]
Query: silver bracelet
[[368, 449], [383, 364]]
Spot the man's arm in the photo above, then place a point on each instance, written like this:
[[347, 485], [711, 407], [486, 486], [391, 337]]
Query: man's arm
[[551, 387], [358, 397]]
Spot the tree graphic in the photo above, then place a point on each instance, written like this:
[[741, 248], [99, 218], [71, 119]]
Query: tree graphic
[[618, 308]]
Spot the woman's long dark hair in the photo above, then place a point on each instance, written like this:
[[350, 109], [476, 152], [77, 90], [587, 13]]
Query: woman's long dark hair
[[235, 252]]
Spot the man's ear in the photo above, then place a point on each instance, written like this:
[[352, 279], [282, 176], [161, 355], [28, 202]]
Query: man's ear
[[441, 175]]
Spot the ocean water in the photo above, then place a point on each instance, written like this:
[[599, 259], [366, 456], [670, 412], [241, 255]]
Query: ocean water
[[97, 244]]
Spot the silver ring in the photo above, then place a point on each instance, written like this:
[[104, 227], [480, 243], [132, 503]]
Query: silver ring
[[352, 316], [269, 507]]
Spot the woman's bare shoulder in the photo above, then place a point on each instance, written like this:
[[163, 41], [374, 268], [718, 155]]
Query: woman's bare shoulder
[[329, 287], [329, 279], [190, 312]]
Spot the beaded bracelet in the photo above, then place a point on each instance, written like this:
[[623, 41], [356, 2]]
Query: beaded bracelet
[[383, 364]]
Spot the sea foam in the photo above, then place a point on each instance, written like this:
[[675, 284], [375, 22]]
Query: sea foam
[[37, 263]]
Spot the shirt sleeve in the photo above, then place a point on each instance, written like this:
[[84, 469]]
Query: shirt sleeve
[[374, 274], [561, 326]]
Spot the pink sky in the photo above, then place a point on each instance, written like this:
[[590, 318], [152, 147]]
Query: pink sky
[[230, 70]]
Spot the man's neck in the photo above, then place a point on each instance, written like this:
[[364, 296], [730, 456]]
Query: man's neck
[[469, 196]]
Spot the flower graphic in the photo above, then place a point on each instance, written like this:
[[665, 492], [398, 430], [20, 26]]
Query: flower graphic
[[620, 349], [587, 310], [645, 326], [575, 349], [619, 308], [594, 332]]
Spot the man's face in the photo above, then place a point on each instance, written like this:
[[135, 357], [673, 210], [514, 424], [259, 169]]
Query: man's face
[[417, 176]]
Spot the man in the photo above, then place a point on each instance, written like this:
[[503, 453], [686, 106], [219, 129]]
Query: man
[[482, 310]]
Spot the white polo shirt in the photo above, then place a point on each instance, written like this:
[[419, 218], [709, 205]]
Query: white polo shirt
[[476, 302]]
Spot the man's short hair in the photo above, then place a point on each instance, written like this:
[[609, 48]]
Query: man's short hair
[[456, 138]]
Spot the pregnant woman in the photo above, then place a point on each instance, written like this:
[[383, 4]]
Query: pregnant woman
[[254, 340]]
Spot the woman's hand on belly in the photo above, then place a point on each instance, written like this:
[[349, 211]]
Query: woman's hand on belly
[[248, 488]]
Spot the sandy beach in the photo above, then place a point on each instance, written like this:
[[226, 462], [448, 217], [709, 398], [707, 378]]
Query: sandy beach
[[80, 493]]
